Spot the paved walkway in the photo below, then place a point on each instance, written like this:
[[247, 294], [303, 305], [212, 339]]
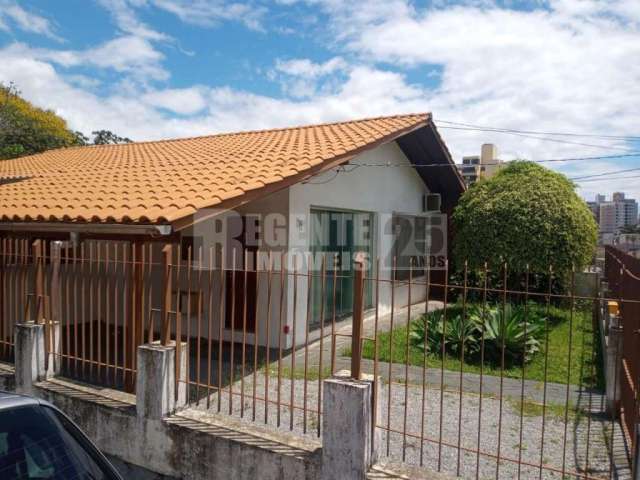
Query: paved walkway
[[531, 390]]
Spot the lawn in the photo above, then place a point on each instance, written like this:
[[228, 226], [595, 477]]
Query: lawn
[[392, 346]]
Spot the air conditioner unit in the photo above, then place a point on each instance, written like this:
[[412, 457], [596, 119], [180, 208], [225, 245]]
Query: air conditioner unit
[[431, 202]]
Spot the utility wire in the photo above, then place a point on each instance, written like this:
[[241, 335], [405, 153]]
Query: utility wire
[[544, 139], [607, 179], [603, 174], [533, 132], [455, 165]]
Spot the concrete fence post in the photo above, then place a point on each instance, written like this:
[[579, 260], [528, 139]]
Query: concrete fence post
[[349, 446], [158, 395], [30, 356], [54, 363], [613, 364]]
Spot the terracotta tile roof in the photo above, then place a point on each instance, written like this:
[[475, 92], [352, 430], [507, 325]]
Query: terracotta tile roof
[[164, 181]]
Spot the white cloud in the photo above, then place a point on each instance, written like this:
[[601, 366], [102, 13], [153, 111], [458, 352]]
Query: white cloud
[[301, 77], [568, 67], [184, 101], [126, 18], [209, 13], [303, 67], [24, 20], [132, 55], [204, 13]]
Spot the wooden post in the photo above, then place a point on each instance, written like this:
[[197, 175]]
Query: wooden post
[[358, 315], [167, 288]]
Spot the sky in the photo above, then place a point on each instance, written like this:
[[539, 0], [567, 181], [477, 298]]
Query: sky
[[149, 69]]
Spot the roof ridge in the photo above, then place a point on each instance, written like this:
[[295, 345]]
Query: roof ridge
[[427, 116]]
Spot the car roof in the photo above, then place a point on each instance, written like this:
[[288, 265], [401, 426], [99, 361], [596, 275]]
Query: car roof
[[13, 400]]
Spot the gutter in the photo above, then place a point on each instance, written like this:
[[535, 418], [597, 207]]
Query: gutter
[[93, 228]]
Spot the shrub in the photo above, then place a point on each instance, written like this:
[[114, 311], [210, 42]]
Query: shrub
[[516, 328], [456, 331], [525, 215]]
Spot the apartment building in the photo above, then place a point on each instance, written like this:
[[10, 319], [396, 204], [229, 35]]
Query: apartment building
[[484, 165]]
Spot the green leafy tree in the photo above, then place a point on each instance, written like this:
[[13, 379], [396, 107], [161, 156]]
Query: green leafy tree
[[106, 137], [26, 129], [525, 215]]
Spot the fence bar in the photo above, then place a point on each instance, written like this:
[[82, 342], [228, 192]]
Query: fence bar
[[442, 354], [322, 294], [167, 252], [280, 335], [256, 330], [358, 315], [307, 323], [38, 259]]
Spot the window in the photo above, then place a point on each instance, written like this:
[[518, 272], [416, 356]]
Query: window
[[190, 244], [189, 302], [410, 245]]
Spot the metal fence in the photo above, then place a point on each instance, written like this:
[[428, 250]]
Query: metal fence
[[622, 272], [484, 373]]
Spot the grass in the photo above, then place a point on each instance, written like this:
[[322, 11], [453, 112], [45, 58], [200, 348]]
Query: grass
[[534, 409], [298, 374], [562, 331]]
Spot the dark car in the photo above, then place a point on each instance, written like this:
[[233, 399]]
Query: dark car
[[37, 441]]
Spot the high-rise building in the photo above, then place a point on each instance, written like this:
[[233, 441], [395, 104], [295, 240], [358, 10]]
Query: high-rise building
[[613, 215], [484, 165]]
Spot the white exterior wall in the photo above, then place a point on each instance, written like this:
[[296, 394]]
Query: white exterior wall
[[274, 203], [379, 190]]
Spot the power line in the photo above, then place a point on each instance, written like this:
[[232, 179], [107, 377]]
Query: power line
[[607, 179], [455, 165], [533, 132], [605, 173], [545, 139]]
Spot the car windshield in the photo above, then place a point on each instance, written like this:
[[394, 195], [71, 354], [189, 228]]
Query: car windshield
[[36, 442]]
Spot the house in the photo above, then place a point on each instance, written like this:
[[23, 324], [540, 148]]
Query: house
[[330, 188]]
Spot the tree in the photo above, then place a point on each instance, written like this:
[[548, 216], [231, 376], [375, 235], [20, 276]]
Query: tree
[[525, 215], [26, 129], [106, 137]]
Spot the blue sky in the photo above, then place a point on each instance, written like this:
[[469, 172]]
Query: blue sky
[[169, 68]]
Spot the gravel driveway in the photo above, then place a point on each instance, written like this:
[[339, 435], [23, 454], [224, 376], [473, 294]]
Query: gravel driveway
[[459, 427]]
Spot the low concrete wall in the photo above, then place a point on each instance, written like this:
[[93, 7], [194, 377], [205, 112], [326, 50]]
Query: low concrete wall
[[7, 377], [153, 439], [189, 445]]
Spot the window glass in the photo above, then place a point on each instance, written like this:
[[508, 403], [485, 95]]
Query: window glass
[[411, 243], [38, 443]]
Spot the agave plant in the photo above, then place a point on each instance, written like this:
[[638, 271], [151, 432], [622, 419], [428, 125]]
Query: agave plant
[[454, 331], [514, 329]]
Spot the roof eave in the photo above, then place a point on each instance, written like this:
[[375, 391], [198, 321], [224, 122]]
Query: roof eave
[[153, 230]]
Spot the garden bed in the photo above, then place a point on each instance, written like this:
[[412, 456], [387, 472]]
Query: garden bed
[[567, 333]]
